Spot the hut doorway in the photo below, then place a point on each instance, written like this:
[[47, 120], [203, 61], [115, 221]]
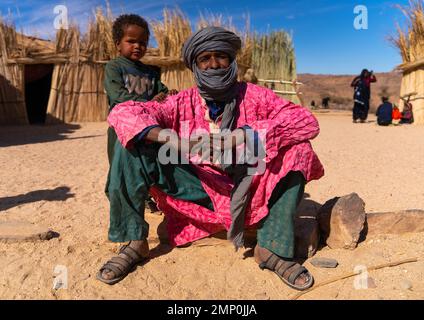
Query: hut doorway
[[38, 80]]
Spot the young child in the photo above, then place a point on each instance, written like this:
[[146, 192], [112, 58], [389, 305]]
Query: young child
[[127, 79], [396, 115]]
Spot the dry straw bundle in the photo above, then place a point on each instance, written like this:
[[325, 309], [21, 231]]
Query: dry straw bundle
[[244, 56], [274, 59], [98, 42], [170, 34], [411, 41]]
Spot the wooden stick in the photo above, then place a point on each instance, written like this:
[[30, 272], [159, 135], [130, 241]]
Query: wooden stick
[[293, 93], [352, 274], [279, 81]]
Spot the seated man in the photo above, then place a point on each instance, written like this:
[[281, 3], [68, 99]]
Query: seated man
[[385, 112], [197, 195]]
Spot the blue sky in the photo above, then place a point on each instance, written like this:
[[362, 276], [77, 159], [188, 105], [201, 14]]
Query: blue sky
[[323, 31]]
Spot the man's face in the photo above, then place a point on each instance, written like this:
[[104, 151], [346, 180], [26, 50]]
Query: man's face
[[133, 44], [212, 60]]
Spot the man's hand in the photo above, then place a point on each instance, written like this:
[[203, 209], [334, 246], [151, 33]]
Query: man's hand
[[160, 97], [203, 145], [227, 141]]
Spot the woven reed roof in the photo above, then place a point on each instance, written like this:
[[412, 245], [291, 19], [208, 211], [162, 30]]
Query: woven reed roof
[[32, 50]]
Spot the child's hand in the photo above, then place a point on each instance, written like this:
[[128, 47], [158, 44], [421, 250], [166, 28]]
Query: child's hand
[[172, 92], [160, 97]]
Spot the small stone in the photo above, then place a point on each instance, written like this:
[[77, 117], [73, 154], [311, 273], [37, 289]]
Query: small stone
[[85, 277], [262, 296], [371, 283], [23, 231], [70, 249], [406, 284], [341, 221], [324, 263]]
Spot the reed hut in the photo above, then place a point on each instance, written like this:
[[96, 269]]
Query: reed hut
[[54, 81], [62, 80], [411, 46], [14, 75]]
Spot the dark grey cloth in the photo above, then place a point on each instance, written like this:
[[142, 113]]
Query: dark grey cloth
[[217, 84], [240, 194], [210, 39], [221, 85], [213, 84]]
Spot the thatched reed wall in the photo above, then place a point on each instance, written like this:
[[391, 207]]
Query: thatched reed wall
[[77, 92], [413, 83], [170, 35], [12, 103], [411, 46]]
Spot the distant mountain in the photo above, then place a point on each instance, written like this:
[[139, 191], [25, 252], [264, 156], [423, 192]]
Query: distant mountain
[[337, 87]]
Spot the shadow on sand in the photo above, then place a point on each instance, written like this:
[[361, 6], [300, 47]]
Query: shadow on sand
[[21, 135], [58, 194]]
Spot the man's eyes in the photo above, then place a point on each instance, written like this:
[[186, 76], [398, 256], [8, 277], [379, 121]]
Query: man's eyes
[[222, 56], [205, 59]]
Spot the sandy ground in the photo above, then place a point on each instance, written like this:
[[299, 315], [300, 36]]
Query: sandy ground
[[54, 176]]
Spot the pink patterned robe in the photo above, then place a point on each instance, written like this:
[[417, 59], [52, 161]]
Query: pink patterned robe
[[289, 128]]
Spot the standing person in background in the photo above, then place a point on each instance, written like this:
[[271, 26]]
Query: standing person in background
[[325, 103], [362, 95]]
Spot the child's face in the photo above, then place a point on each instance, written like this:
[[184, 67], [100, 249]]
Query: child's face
[[133, 44]]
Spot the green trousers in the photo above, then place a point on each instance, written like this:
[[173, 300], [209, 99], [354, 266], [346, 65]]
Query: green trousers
[[133, 172]]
